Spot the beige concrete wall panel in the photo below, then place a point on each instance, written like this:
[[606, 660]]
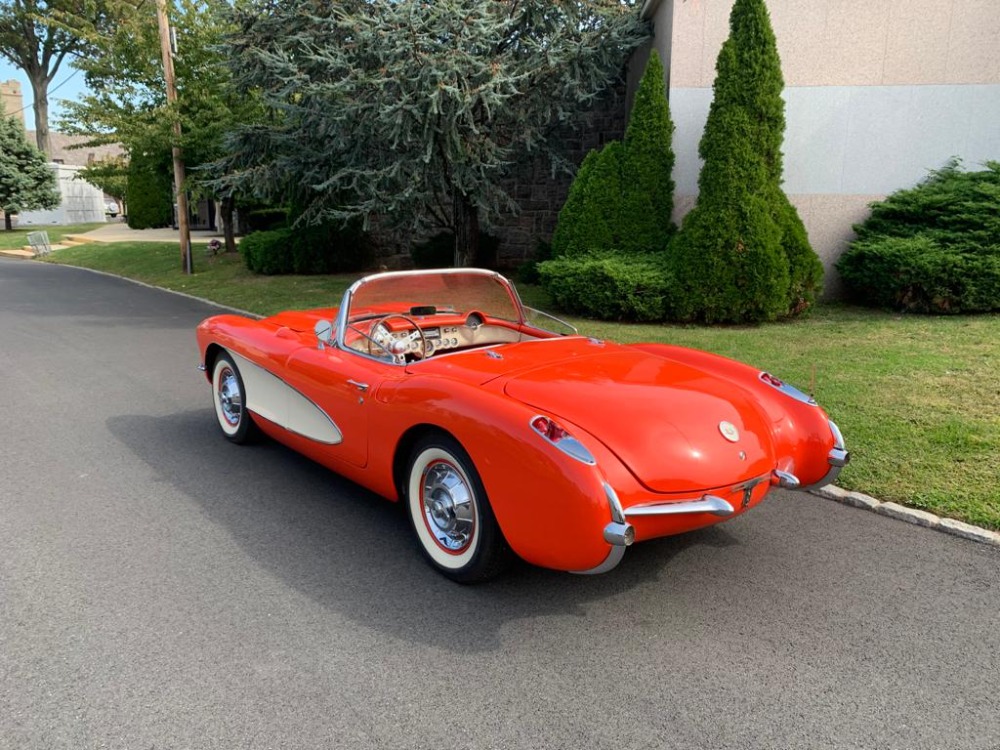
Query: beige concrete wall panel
[[850, 42], [800, 28], [852, 50], [916, 48], [859, 140], [830, 219], [974, 42]]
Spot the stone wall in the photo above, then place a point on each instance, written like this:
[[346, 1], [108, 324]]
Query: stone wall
[[541, 194]]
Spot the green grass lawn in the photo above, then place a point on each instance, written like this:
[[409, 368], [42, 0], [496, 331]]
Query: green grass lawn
[[918, 398], [16, 238]]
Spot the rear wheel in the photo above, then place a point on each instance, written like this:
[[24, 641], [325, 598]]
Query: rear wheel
[[229, 396], [450, 513]]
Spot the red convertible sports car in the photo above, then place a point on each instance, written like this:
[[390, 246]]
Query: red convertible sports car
[[503, 431]]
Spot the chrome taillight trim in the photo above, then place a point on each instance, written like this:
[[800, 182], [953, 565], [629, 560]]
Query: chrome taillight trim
[[568, 445], [788, 390]]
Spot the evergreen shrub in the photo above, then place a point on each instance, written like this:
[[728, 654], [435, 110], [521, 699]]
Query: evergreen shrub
[[934, 248], [610, 287], [727, 258], [743, 254], [149, 192], [309, 250]]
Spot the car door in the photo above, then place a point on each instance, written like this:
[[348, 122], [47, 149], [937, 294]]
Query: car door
[[342, 384]]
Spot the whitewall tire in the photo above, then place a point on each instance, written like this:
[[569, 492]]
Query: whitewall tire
[[229, 396], [450, 513]]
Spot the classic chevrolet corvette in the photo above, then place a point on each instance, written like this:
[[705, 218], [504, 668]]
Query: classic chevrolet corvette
[[502, 431]]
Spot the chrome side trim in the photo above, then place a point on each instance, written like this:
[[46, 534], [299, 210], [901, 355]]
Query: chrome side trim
[[708, 504], [201, 367], [617, 514], [615, 555]]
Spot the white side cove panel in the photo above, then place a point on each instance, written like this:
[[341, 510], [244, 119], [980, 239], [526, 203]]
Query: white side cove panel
[[272, 398]]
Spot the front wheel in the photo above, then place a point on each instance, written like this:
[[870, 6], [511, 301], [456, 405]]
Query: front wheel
[[229, 396], [450, 513]]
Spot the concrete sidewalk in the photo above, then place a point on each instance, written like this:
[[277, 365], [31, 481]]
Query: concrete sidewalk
[[122, 233]]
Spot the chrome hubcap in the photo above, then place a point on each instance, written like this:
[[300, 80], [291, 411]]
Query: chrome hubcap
[[448, 506], [230, 398]]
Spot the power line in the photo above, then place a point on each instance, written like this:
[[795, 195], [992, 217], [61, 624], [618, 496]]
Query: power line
[[52, 90]]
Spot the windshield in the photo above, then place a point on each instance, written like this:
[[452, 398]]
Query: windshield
[[439, 291]]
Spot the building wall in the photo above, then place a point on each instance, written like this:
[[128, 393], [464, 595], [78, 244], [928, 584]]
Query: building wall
[[878, 92], [81, 202], [10, 97]]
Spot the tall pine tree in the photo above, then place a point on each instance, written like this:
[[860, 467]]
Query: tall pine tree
[[27, 181]]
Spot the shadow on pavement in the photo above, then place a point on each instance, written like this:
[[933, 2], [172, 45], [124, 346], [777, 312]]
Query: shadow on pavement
[[352, 551]]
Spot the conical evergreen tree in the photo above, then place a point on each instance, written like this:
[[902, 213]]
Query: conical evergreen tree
[[27, 182], [647, 181], [590, 220], [749, 76], [727, 259]]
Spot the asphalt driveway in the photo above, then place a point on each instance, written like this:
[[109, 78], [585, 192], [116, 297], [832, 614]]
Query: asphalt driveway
[[161, 588]]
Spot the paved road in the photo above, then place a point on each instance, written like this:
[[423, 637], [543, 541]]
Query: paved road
[[160, 588]]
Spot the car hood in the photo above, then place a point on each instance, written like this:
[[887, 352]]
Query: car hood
[[665, 420]]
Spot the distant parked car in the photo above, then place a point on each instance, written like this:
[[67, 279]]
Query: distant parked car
[[111, 209]]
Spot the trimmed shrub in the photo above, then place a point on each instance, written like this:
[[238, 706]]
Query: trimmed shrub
[[952, 206], [727, 258], [609, 287], [266, 219], [934, 248], [149, 193], [527, 273], [590, 220], [310, 250], [647, 166], [623, 195], [743, 224]]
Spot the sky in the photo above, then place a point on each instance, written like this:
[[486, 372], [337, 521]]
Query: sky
[[68, 80]]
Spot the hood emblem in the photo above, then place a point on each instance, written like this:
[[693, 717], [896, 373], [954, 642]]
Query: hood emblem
[[729, 431]]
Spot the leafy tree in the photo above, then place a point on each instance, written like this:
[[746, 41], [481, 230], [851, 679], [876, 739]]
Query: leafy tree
[[648, 164], [38, 35], [109, 175], [27, 182], [749, 76], [150, 195], [412, 110], [127, 100]]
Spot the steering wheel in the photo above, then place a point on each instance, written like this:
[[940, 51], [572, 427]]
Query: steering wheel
[[398, 348]]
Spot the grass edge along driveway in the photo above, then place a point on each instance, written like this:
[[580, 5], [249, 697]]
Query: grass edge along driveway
[[918, 398]]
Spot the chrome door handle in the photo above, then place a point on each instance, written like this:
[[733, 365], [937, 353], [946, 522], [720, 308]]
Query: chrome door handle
[[359, 386]]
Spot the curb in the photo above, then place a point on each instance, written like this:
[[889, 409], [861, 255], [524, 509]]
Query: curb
[[910, 515]]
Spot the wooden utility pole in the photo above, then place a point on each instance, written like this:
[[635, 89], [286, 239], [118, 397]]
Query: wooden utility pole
[[168, 73]]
